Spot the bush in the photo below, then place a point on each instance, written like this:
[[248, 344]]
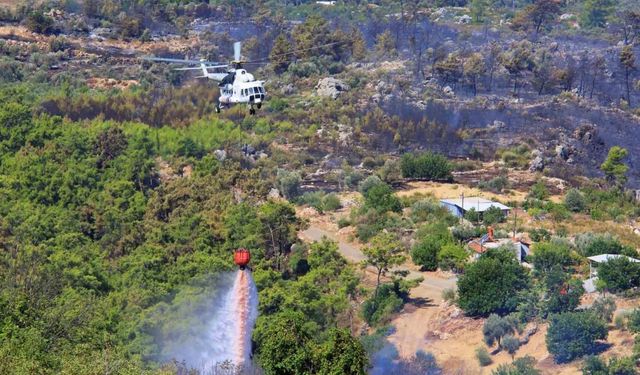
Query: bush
[[604, 307], [464, 233], [619, 274], [620, 321], [449, 295], [483, 356], [546, 255], [616, 366], [288, 183], [495, 328], [538, 191], [590, 244], [331, 202], [380, 198], [425, 254], [452, 257], [493, 215], [38, 22], [575, 201], [472, 215], [389, 301], [352, 179], [496, 184], [426, 210], [520, 366], [492, 284], [633, 321], [511, 344], [427, 165], [343, 222], [539, 235], [572, 335], [368, 183]]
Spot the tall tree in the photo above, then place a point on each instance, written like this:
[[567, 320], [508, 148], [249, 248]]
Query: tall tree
[[615, 170], [537, 14], [279, 55], [595, 12], [628, 64], [492, 284], [518, 60], [386, 44], [384, 252], [474, 68]]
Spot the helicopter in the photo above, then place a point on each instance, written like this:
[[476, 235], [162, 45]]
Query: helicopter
[[237, 86]]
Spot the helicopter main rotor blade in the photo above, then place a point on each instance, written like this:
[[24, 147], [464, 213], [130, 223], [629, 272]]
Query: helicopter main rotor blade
[[266, 59], [236, 50], [181, 61], [200, 68]]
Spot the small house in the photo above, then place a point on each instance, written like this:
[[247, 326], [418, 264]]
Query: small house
[[459, 206]]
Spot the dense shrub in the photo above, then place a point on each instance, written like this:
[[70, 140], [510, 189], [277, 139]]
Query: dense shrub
[[619, 274], [425, 254], [572, 335], [539, 235], [492, 284], [288, 183], [380, 197], [427, 165], [495, 328], [520, 366], [493, 215], [464, 233], [633, 321], [538, 191], [604, 307], [547, 255], [452, 257], [389, 301], [575, 201], [496, 184], [511, 344], [483, 356], [40, 23]]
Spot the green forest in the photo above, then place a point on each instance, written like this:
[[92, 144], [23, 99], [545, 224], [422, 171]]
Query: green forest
[[123, 194]]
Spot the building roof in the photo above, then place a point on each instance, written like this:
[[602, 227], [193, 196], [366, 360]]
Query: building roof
[[479, 204], [602, 258]]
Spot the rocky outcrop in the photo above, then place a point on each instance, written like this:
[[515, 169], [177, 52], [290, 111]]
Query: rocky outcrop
[[331, 87]]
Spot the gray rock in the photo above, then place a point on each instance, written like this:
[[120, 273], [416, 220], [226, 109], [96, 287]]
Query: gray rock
[[288, 89], [331, 87], [537, 164], [562, 152], [221, 155], [274, 193], [447, 90], [464, 19]]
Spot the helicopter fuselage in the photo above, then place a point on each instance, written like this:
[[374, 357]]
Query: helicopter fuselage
[[239, 86]]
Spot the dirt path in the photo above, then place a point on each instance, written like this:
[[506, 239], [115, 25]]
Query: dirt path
[[348, 250]]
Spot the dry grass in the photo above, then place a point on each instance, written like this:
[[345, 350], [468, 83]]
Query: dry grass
[[454, 190]]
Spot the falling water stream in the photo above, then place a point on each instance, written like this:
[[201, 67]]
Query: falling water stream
[[229, 331]]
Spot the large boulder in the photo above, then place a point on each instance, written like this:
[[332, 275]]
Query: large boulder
[[332, 87]]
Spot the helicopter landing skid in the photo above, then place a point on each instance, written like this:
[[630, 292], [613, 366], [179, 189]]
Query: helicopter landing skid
[[252, 111]]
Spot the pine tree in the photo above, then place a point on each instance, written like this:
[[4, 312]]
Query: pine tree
[[280, 59]]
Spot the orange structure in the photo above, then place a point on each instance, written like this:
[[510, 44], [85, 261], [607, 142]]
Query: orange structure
[[241, 257]]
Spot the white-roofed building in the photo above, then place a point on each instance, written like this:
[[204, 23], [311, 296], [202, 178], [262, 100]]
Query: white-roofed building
[[590, 284], [459, 206]]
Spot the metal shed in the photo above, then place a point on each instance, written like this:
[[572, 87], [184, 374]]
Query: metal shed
[[458, 206]]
